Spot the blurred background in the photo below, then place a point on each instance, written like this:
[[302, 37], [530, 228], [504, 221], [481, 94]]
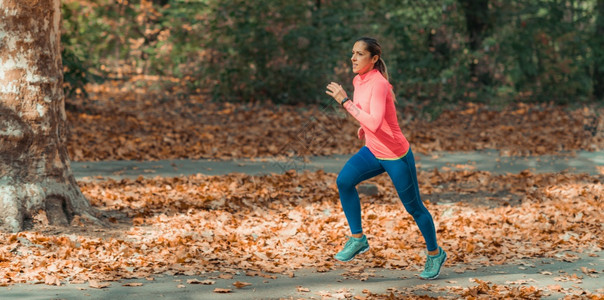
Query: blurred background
[[286, 50], [166, 79]]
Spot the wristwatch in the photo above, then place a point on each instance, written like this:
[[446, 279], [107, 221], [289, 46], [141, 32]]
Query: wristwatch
[[345, 99]]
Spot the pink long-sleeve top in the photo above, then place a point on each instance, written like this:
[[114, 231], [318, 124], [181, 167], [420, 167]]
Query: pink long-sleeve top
[[373, 107]]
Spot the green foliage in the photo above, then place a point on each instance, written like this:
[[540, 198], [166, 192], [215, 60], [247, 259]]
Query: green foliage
[[546, 53], [286, 51], [283, 51], [75, 75]]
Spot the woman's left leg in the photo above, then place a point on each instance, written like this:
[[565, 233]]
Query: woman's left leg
[[404, 177]]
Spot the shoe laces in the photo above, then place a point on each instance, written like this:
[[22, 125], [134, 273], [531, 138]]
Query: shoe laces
[[430, 262], [350, 241]]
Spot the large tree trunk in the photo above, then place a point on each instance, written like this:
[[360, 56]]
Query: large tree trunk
[[598, 49], [35, 174]]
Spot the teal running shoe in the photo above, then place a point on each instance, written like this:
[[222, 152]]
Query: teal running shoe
[[433, 264], [353, 247]]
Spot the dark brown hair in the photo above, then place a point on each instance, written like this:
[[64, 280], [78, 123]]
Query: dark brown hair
[[374, 48]]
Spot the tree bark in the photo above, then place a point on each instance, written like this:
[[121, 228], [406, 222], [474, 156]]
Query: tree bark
[[598, 50], [35, 174], [477, 20], [161, 2], [478, 24]]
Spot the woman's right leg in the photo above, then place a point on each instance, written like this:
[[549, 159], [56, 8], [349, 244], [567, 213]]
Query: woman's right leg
[[359, 167]]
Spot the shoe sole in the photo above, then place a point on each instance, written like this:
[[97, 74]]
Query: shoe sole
[[436, 276], [360, 252]]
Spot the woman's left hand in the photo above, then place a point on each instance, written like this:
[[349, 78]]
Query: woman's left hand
[[336, 91]]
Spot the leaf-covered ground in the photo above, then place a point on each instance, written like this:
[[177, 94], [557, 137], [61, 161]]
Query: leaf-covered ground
[[283, 222], [122, 122]]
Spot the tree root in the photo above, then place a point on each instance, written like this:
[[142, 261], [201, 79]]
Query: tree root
[[61, 202]]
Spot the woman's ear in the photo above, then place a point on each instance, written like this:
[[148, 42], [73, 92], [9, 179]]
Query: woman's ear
[[375, 59]]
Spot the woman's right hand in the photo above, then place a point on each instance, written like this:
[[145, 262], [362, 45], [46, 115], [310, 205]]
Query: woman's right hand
[[361, 133], [336, 91]]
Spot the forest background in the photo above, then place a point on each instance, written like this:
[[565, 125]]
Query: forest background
[[437, 51]]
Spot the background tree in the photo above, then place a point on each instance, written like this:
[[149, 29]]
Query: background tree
[[477, 20], [477, 24], [35, 174]]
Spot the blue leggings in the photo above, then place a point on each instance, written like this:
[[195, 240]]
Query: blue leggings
[[365, 165]]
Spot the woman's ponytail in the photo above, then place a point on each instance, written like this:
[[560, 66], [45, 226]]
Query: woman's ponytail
[[380, 65]]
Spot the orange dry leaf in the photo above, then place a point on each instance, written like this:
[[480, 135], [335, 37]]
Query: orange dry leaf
[[240, 284], [52, 280], [98, 285], [554, 287], [133, 284], [197, 281], [588, 271], [219, 290]]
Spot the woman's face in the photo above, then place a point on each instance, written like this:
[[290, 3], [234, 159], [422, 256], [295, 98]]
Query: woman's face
[[362, 62]]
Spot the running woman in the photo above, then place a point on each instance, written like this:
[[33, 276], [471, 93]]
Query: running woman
[[386, 150]]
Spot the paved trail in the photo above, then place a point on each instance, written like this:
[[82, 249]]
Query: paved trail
[[482, 160]]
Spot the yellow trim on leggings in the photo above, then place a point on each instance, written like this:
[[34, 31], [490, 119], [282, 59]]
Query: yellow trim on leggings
[[397, 157]]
